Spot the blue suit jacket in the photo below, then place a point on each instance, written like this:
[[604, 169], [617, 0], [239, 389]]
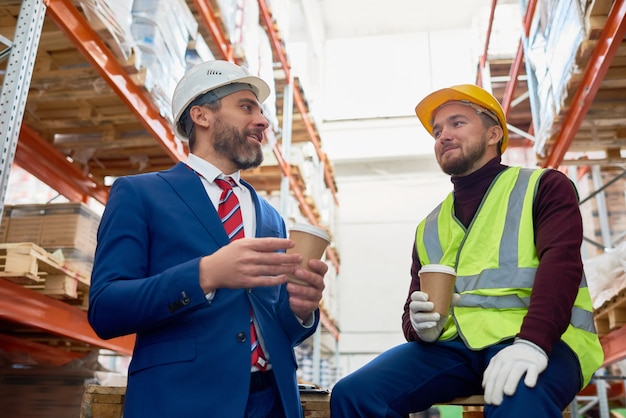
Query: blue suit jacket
[[190, 357]]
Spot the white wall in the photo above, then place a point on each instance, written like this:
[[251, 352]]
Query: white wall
[[387, 177], [378, 217]]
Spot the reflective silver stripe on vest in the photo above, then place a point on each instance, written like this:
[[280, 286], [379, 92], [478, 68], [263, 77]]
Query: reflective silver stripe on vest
[[509, 246], [581, 318], [492, 279], [523, 277], [431, 236], [492, 302]]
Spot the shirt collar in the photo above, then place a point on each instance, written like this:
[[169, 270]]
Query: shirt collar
[[208, 170]]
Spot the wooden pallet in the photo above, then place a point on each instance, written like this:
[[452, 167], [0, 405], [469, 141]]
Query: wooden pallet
[[612, 314], [108, 402], [33, 267], [315, 404]]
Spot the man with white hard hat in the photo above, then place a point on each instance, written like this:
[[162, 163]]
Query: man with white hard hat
[[192, 260], [520, 328]]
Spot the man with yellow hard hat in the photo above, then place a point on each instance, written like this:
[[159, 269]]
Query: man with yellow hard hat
[[520, 329]]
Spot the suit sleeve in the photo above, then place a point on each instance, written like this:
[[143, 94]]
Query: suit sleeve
[[125, 297]]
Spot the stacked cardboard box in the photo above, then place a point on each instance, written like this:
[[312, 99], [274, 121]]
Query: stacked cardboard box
[[68, 228]]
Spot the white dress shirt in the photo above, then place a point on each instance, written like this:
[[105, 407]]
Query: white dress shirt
[[208, 173]]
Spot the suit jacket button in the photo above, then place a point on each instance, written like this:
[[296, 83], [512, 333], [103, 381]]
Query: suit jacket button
[[241, 337]]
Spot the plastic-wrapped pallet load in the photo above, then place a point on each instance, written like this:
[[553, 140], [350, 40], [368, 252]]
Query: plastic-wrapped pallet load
[[606, 275], [112, 20], [557, 32], [163, 30], [198, 51], [266, 72]]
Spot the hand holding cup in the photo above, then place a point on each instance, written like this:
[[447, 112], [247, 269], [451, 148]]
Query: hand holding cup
[[310, 241], [437, 281]]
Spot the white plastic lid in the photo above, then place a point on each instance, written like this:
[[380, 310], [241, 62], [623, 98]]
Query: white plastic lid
[[311, 229], [437, 268]]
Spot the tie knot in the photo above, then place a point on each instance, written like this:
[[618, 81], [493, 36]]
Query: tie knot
[[226, 183]]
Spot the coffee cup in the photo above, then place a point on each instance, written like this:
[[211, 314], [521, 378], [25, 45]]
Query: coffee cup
[[311, 242], [438, 281]]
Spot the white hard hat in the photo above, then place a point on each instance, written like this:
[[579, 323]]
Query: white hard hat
[[209, 76]]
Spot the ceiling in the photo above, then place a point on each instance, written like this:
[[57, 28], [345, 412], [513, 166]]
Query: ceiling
[[348, 18]]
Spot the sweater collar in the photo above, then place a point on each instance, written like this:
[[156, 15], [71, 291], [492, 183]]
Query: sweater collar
[[475, 184]]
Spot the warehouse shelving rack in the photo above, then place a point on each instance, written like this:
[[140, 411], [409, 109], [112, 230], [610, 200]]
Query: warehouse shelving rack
[[596, 93], [67, 324]]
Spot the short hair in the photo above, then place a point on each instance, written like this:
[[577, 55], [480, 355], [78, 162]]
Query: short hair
[[488, 121], [214, 106]]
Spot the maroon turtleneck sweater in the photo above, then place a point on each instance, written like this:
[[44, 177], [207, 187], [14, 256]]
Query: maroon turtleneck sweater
[[558, 237]]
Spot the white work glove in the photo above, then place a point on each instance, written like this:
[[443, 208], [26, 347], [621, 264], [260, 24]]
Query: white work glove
[[426, 323], [508, 366]]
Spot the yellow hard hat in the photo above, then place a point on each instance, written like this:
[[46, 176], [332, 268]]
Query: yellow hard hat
[[468, 93]]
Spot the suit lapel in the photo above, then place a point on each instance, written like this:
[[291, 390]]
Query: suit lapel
[[187, 185]]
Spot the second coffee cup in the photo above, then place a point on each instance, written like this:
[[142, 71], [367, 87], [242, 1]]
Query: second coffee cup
[[438, 281], [311, 241]]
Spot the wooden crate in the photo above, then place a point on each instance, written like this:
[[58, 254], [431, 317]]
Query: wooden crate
[[33, 267], [102, 402], [611, 315], [108, 402], [315, 404]]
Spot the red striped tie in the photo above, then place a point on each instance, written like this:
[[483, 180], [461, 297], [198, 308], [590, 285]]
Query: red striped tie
[[229, 212]]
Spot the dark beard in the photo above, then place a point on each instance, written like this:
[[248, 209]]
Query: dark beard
[[236, 146], [462, 165]]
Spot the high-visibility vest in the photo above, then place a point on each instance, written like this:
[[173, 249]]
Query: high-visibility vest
[[496, 261]]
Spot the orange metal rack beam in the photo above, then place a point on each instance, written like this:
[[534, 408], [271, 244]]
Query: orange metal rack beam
[[298, 99], [76, 28], [482, 61], [55, 169], [207, 14], [607, 45], [40, 353], [614, 345], [25, 306], [519, 57]]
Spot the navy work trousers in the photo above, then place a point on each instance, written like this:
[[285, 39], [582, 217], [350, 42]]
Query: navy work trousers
[[413, 376]]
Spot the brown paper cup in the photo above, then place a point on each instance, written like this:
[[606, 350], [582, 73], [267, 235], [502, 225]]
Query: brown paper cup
[[311, 241], [438, 281]]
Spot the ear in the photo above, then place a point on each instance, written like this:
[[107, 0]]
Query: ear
[[495, 134], [199, 116]]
